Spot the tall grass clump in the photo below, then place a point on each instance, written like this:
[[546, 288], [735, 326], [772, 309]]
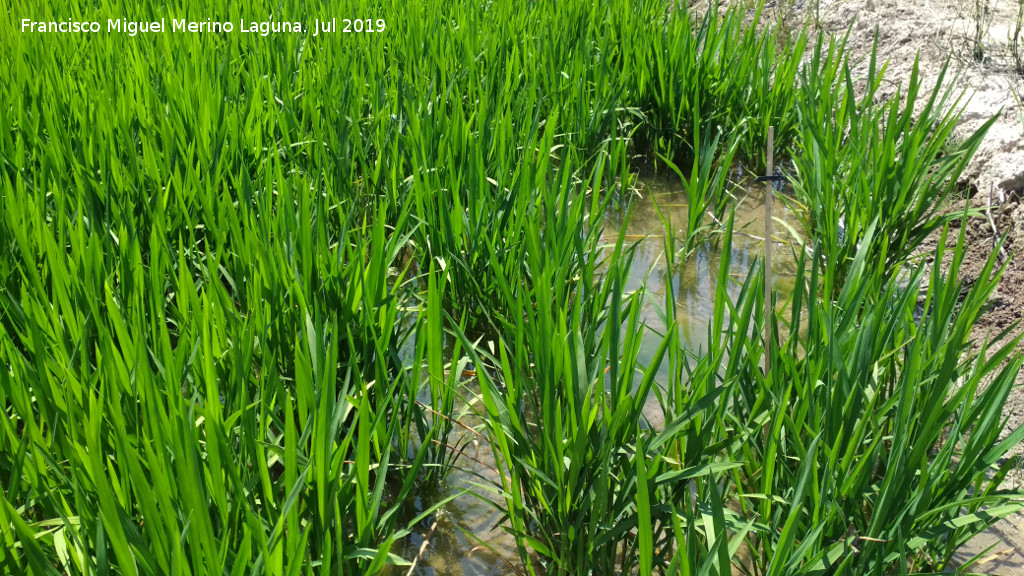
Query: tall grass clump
[[156, 427], [876, 444], [202, 316], [586, 485], [707, 197], [700, 73], [864, 162], [886, 383]]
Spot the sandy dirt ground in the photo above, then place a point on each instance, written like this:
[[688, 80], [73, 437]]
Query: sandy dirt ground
[[936, 31]]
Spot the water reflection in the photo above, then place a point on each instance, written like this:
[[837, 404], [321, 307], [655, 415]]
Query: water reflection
[[694, 281], [449, 551]]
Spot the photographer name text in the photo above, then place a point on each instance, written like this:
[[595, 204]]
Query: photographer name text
[[208, 26]]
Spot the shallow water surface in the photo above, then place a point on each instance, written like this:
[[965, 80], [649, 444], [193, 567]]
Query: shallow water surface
[[441, 545], [694, 281], [465, 539]]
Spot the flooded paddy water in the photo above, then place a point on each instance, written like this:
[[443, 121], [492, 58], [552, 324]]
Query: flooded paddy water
[[465, 537]]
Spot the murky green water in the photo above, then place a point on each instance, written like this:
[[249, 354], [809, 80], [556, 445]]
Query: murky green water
[[455, 542], [694, 281], [464, 538]]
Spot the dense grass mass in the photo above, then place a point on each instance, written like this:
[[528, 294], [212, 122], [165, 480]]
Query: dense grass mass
[[249, 283]]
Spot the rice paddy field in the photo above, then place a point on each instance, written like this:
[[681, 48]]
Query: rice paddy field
[[482, 291]]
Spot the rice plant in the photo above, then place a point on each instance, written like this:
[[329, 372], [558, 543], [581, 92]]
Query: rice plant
[[875, 403], [707, 197], [863, 162], [251, 284]]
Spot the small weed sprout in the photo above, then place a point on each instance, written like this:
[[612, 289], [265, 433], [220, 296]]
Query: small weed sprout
[[982, 16], [1020, 104], [1016, 39]]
